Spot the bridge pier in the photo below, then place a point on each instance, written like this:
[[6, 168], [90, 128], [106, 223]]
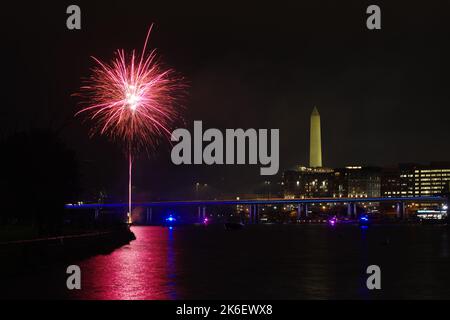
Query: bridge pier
[[401, 212], [149, 216], [253, 215], [201, 213], [302, 211], [352, 211]]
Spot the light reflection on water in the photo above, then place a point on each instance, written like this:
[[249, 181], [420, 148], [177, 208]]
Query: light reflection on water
[[144, 269], [271, 262]]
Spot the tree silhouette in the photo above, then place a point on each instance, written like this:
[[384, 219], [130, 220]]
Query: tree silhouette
[[40, 174]]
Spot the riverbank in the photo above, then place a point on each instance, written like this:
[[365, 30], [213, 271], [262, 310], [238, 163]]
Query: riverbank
[[19, 255]]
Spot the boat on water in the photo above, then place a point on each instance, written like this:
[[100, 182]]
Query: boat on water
[[432, 216], [364, 220], [234, 225]]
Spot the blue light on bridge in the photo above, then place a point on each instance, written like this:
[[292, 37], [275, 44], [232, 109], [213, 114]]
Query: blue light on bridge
[[170, 221], [364, 220], [170, 218]]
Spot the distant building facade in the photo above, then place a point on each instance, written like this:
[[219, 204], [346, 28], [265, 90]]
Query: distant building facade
[[416, 180], [352, 181], [358, 182], [308, 182], [405, 180]]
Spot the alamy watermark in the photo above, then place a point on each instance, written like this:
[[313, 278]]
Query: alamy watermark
[[74, 279], [73, 21], [373, 22], [236, 146], [374, 280]]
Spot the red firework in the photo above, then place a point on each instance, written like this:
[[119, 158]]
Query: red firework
[[133, 99]]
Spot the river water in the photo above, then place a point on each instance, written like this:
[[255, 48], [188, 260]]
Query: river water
[[263, 262]]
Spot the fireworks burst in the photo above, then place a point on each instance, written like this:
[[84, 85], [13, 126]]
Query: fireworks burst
[[133, 99]]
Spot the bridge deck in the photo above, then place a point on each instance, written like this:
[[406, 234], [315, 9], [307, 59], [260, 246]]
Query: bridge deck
[[257, 201]]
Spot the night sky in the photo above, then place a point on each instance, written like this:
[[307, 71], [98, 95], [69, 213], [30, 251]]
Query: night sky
[[383, 95]]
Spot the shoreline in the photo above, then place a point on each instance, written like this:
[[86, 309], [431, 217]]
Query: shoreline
[[23, 255]]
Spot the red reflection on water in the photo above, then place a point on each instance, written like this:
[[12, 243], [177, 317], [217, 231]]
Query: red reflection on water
[[144, 269]]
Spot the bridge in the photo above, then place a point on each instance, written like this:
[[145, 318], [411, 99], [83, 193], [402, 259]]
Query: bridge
[[253, 204]]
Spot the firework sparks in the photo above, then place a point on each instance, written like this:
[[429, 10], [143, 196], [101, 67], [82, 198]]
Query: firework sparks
[[133, 99]]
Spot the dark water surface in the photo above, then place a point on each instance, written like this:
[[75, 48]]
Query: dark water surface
[[262, 262]]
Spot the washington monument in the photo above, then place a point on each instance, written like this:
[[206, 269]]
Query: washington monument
[[315, 144]]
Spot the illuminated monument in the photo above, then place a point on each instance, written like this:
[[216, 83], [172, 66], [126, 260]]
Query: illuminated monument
[[315, 143]]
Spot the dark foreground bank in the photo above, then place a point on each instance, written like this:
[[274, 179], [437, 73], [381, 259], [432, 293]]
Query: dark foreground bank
[[23, 256]]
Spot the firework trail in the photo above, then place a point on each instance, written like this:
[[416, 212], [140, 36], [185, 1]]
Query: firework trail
[[132, 99]]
